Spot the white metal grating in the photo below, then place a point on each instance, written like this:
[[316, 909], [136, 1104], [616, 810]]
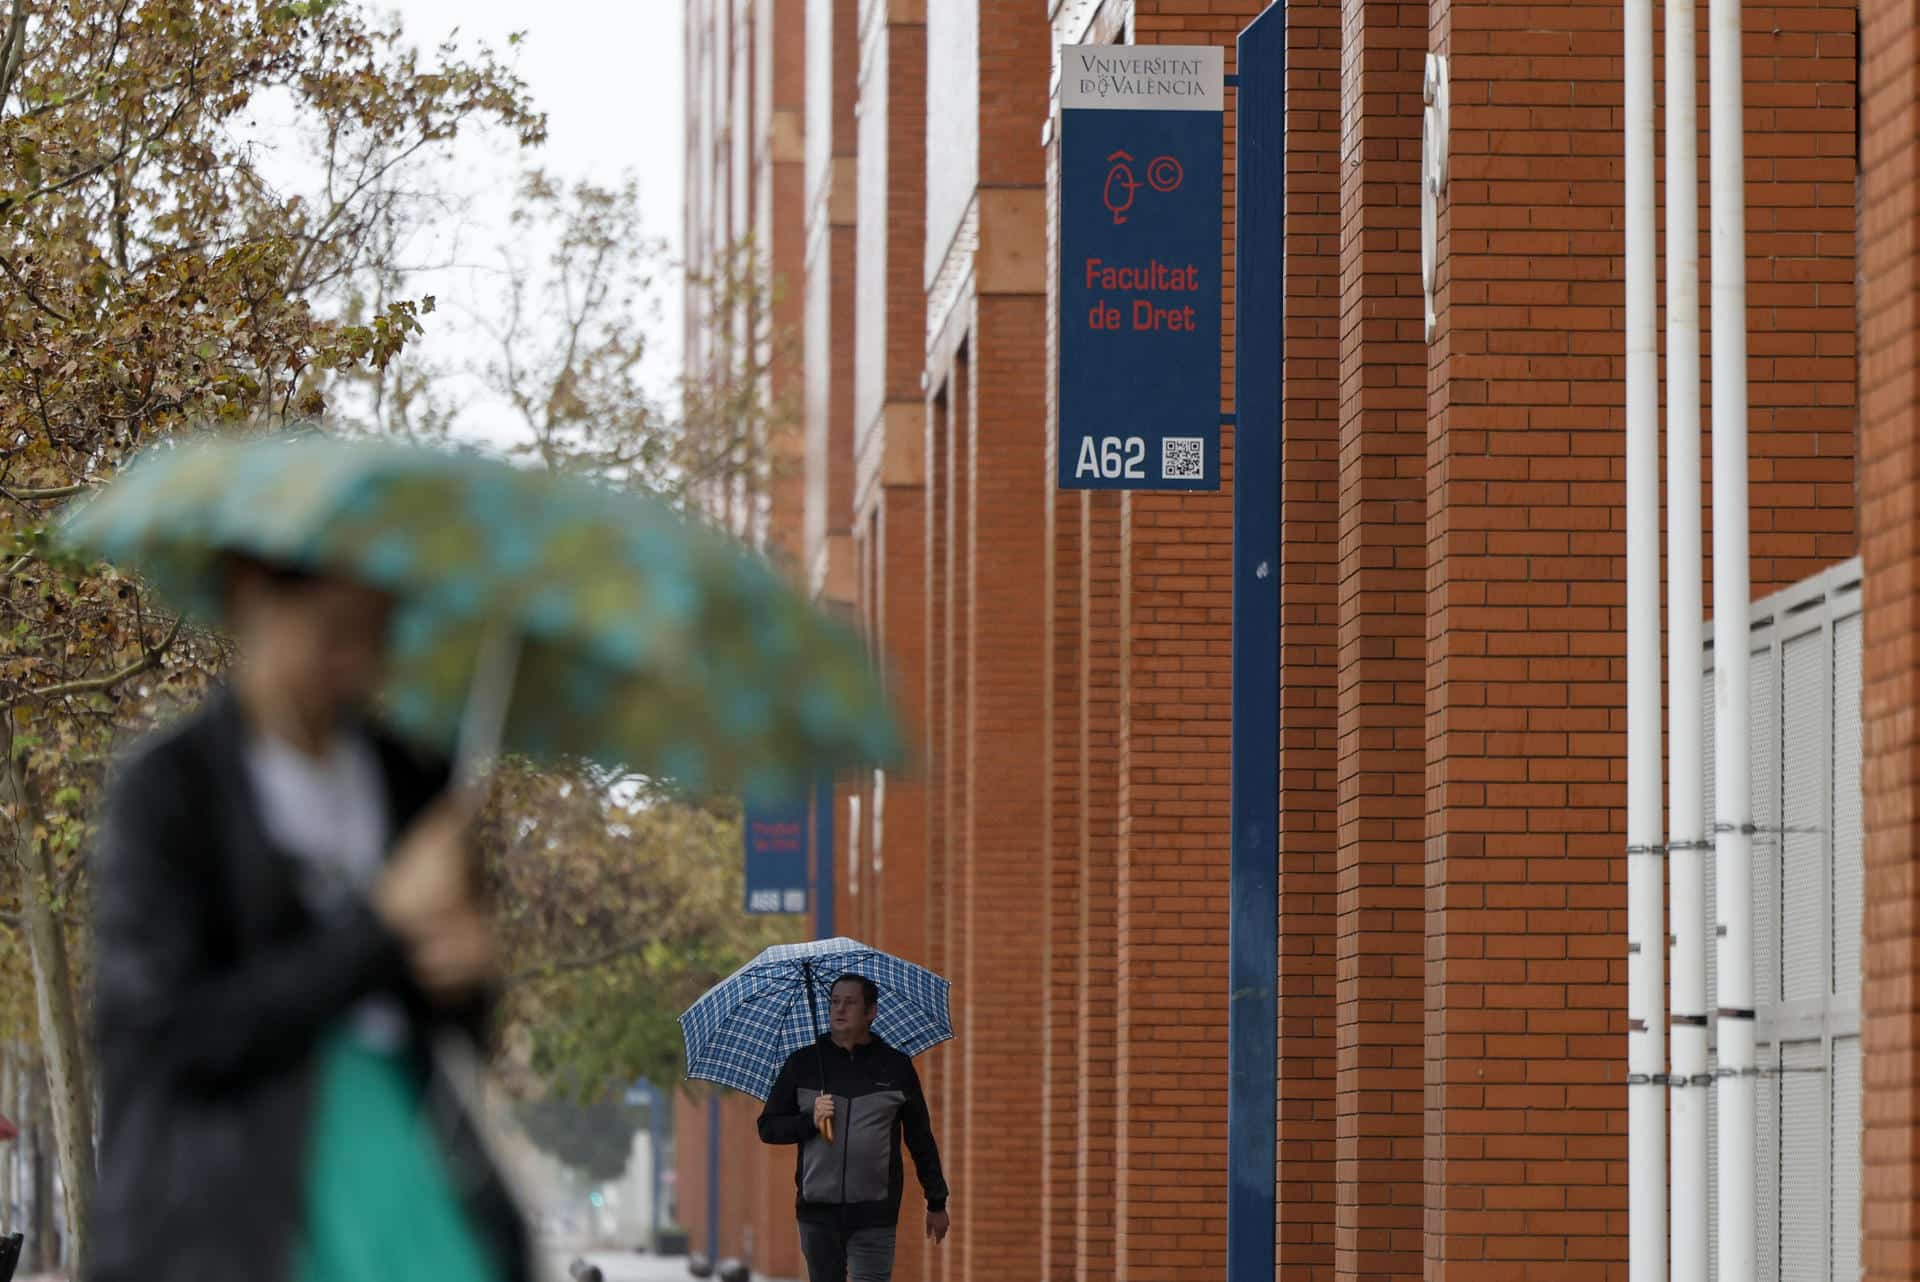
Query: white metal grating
[[1804, 951], [1707, 808], [1763, 688], [1805, 717], [1849, 871], [1803, 1162], [1766, 1156], [1845, 1219]]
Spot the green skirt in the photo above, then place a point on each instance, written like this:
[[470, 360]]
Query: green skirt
[[380, 1203]]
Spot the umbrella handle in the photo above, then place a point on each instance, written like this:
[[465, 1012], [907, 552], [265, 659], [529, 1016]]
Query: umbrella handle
[[484, 723], [826, 1130]]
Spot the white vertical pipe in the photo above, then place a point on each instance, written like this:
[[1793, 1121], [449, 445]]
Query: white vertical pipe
[[1646, 1015], [1686, 817], [1733, 785]]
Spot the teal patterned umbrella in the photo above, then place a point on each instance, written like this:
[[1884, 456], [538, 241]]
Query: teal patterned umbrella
[[639, 639]]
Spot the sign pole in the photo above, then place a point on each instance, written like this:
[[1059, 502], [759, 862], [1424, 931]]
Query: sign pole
[[823, 857], [1254, 935], [713, 1176]]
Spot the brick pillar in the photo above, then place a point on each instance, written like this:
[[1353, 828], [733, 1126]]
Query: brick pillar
[[1006, 757], [743, 1167], [1525, 1126], [776, 1241], [691, 1153], [1097, 1117], [780, 57], [958, 1079], [1890, 513], [1381, 640], [1309, 542], [902, 886]]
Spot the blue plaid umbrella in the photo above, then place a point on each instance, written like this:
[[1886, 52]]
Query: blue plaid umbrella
[[743, 1030]]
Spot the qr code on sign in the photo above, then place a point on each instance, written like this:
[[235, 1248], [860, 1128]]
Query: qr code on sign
[[1183, 458]]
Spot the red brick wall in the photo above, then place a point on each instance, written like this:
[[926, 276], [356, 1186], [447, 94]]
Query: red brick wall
[[690, 1155], [1525, 1003], [756, 1184], [1063, 871], [783, 237], [1308, 620], [1890, 515]]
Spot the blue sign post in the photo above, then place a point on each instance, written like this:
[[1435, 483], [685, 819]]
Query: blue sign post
[[1254, 934], [823, 843], [1141, 145], [777, 858]]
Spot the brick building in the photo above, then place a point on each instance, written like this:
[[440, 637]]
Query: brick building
[[1451, 1072]]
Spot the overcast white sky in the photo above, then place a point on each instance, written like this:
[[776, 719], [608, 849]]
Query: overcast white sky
[[608, 74]]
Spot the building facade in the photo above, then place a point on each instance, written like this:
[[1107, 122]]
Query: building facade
[[1451, 1079]]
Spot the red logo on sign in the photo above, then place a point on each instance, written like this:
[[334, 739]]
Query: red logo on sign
[[1163, 175], [1121, 184]]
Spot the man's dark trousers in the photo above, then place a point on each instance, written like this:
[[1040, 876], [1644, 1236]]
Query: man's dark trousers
[[836, 1254]]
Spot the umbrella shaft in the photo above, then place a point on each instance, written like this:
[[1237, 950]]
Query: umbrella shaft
[[483, 725]]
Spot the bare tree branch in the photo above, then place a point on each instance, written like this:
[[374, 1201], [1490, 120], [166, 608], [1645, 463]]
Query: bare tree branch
[[574, 965], [13, 51], [43, 495], [147, 662], [33, 296]]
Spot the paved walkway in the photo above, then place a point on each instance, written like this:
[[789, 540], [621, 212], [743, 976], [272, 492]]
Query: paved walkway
[[634, 1268], [617, 1268], [627, 1268]]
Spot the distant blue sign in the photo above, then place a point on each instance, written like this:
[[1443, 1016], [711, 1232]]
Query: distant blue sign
[[777, 857], [1141, 140]]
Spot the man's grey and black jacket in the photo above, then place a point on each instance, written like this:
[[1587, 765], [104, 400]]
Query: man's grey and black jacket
[[855, 1181]]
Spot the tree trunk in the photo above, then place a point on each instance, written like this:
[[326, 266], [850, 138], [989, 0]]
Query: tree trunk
[[65, 1054], [9, 1070], [43, 1239]]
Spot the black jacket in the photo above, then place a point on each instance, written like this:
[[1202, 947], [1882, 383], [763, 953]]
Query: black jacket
[[214, 986], [856, 1180]]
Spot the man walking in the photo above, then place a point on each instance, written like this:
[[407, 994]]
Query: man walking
[[847, 1101]]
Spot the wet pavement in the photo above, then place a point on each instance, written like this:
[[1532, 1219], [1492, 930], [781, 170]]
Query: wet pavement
[[626, 1268]]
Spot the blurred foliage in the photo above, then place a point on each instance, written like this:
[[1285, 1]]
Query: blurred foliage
[[155, 278], [158, 279], [619, 905]]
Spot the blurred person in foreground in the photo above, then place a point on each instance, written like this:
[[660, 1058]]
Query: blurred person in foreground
[[850, 1186], [287, 915]]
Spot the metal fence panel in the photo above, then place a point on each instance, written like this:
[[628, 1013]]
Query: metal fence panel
[[1808, 886]]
